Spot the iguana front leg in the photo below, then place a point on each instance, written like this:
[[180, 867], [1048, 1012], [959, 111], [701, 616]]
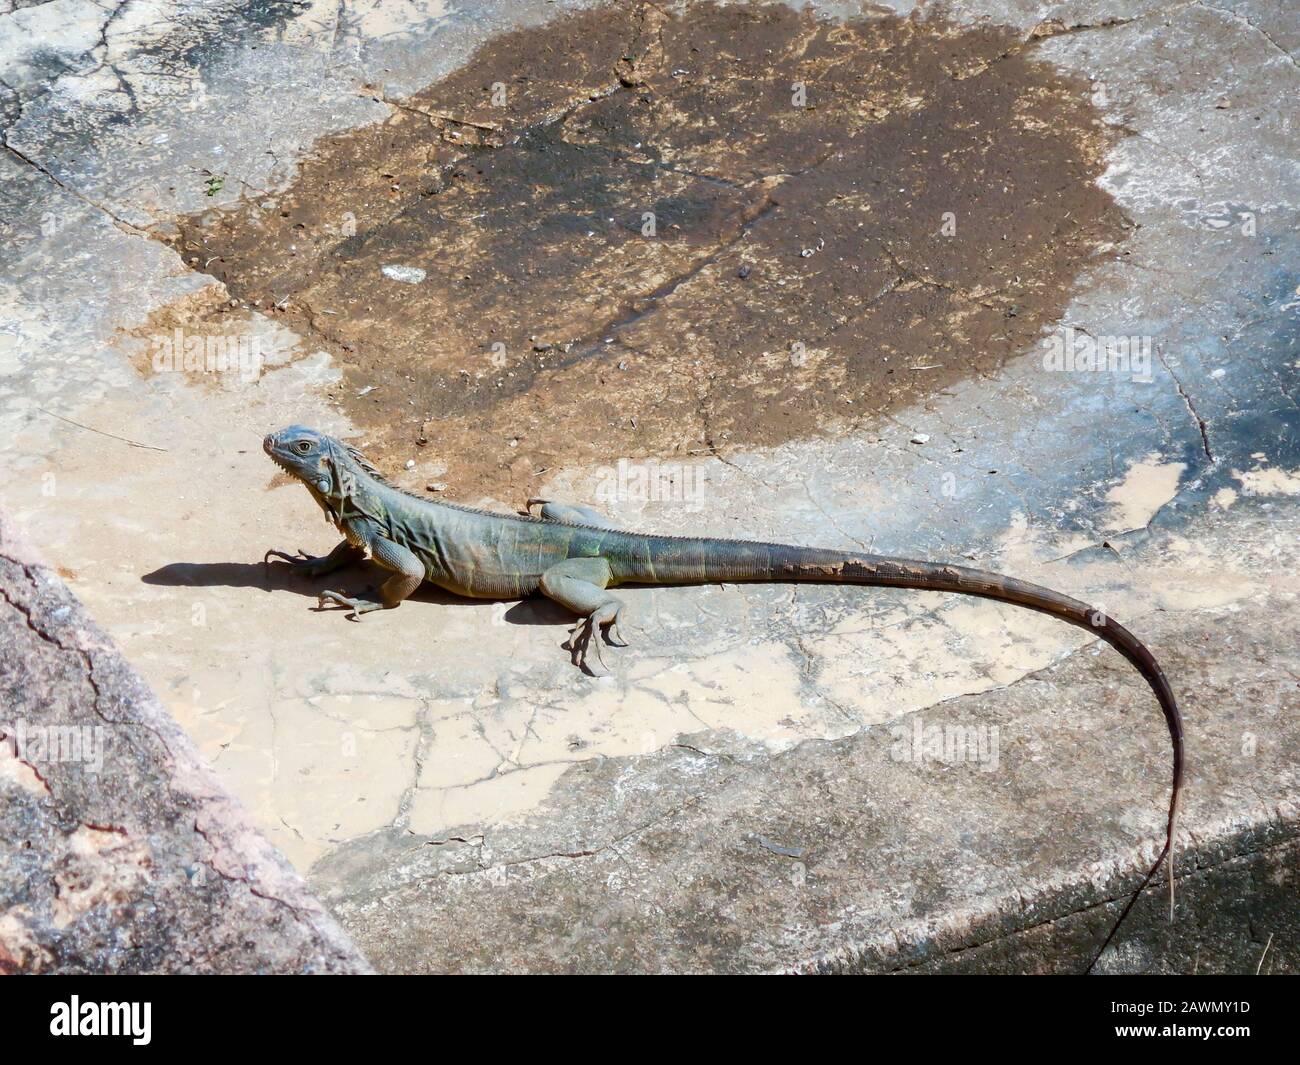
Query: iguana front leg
[[579, 584], [407, 577], [305, 565]]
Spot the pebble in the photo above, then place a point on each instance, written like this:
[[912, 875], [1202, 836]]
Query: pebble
[[407, 275], [920, 438]]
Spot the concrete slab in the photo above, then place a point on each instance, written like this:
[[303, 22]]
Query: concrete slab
[[122, 853], [440, 774]]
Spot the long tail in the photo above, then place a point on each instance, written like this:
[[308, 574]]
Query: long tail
[[689, 561], [931, 576]]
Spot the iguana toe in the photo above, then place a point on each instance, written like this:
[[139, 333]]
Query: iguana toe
[[577, 638], [356, 606], [583, 636], [301, 564]]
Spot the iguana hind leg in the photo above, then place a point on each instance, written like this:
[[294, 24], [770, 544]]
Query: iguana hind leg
[[571, 514], [580, 585], [408, 577]]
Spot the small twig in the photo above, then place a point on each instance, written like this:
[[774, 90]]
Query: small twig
[[485, 126], [1265, 954], [90, 429]]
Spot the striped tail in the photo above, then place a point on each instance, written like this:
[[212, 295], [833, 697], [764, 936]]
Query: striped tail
[[690, 561]]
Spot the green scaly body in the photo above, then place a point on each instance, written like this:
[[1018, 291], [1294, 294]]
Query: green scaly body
[[488, 555]]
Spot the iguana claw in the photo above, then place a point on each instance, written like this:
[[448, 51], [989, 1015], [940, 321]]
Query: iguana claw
[[305, 565], [294, 560], [356, 606], [581, 638], [586, 634]]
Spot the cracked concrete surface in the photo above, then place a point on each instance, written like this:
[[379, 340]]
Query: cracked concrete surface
[[460, 797], [664, 249], [121, 851]]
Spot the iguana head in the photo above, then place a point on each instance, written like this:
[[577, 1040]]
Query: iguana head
[[339, 477], [306, 454]]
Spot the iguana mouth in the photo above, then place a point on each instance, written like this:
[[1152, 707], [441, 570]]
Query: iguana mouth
[[268, 445]]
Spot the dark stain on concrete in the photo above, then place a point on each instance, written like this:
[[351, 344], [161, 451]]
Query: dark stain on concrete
[[800, 275]]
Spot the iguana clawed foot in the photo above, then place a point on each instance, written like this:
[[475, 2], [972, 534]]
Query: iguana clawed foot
[[586, 634], [579, 642], [356, 606], [301, 562], [580, 584], [305, 565]]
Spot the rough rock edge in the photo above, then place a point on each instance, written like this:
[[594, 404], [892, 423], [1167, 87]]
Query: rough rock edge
[[257, 884]]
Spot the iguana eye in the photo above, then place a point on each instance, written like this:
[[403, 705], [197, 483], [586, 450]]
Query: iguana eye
[[303, 446]]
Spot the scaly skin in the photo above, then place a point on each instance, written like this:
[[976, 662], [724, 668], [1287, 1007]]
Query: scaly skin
[[573, 556]]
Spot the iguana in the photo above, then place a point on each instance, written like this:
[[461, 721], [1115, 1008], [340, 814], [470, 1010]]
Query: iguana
[[574, 556]]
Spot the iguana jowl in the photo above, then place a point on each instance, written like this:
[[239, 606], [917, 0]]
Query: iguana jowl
[[569, 556]]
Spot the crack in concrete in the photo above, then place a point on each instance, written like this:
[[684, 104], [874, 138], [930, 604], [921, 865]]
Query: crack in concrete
[[1191, 407], [590, 852], [1051, 28], [117, 220], [643, 306], [1196, 871], [1236, 17], [807, 487], [719, 783]]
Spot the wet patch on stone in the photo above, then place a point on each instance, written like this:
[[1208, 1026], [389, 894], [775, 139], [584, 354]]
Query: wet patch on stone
[[630, 233]]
